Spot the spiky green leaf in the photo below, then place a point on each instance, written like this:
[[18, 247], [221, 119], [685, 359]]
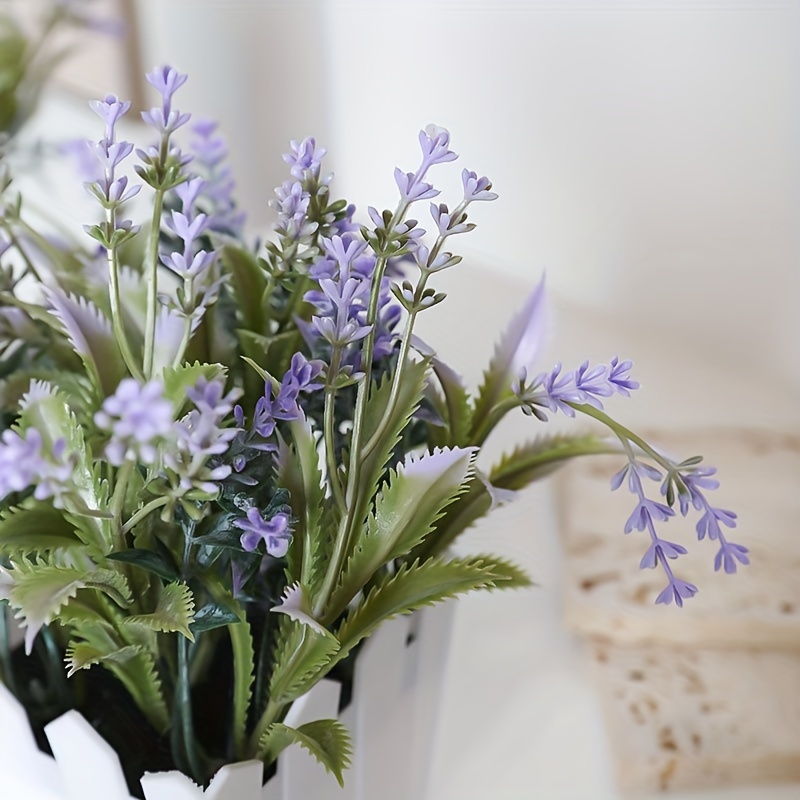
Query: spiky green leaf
[[539, 458], [405, 512], [326, 739], [298, 472], [174, 612], [458, 411], [35, 528], [518, 347], [243, 668], [414, 586], [178, 379], [248, 282], [300, 658], [148, 560]]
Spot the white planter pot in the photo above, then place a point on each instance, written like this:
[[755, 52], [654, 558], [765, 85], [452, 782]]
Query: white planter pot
[[391, 719]]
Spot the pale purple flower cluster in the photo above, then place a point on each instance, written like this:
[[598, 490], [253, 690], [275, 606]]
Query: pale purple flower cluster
[[24, 463], [112, 191], [285, 406], [164, 160], [557, 391], [435, 144], [691, 483], [304, 158], [345, 277], [215, 196], [165, 119], [275, 532], [138, 418]]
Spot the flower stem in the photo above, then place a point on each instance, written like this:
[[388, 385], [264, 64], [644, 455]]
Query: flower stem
[[118, 502], [330, 440], [490, 421], [116, 306], [151, 278], [143, 512], [183, 698]]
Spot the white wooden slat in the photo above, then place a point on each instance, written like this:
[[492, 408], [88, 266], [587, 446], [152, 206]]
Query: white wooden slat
[[88, 765]]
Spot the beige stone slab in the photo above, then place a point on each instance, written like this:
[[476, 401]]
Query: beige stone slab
[[607, 595], [691, 719]]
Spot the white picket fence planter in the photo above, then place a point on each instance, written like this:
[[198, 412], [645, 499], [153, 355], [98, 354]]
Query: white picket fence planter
[[392, 719]]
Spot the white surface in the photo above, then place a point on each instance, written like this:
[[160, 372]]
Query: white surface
[[517, 696]]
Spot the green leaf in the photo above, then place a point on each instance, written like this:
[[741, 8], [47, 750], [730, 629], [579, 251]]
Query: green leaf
[[38, 592], [298, 472], [405, 512], [213, 615], [43, 408], [457, 405], [89, 331], [111, 583], [82, 655], [248, 283], [139, 676], [542, 456], [35, 528], [174, 612], [149, 561], [518, 347], [414, 586], [243, 667], [326, 739], [178, 379], [301, 657]]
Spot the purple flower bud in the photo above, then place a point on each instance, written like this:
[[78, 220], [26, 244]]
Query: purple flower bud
[[110, 111], [305, 157], [435, 142], [412, 188]]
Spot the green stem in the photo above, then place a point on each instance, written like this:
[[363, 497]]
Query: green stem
[[116, 306], [151, 279], [143, 512], [623, 433], [348, 522], [118, 502], [29, 266], [183, 697], [330, 440], [6, 667], [490, 421]]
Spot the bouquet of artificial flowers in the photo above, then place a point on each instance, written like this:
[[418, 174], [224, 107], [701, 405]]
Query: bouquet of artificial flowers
[[224, 465]]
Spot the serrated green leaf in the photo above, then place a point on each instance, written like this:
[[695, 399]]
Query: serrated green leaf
[[35, 528], [45, 409], [405, 512], [178, 379], [518, 347], [457, 404], [82, 655], [243, 670], [326, 739], [111, 583], [301, 657], [139, 676], [248, 283], [174, 612], [412, 587], [149, 561], [542, 456], [298, 472], [90, 333], [38, 592]]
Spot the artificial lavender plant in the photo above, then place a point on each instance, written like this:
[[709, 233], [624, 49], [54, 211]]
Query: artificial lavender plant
[[222, 467]]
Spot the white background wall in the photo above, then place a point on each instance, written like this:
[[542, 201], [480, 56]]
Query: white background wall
[[647, 154]]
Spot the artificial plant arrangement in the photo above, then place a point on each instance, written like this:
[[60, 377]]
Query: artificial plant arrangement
[[223, 465]]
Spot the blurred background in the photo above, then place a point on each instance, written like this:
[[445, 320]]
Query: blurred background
[[647, 156]]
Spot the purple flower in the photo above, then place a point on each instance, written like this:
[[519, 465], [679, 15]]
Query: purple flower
[[138, 417], [412, 188], [676, 590], [110, 110], [274, 532], [305, 158], [476, 188], [435, 144], [21, 460], [619, 376], [340, 301], [166, 81]]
